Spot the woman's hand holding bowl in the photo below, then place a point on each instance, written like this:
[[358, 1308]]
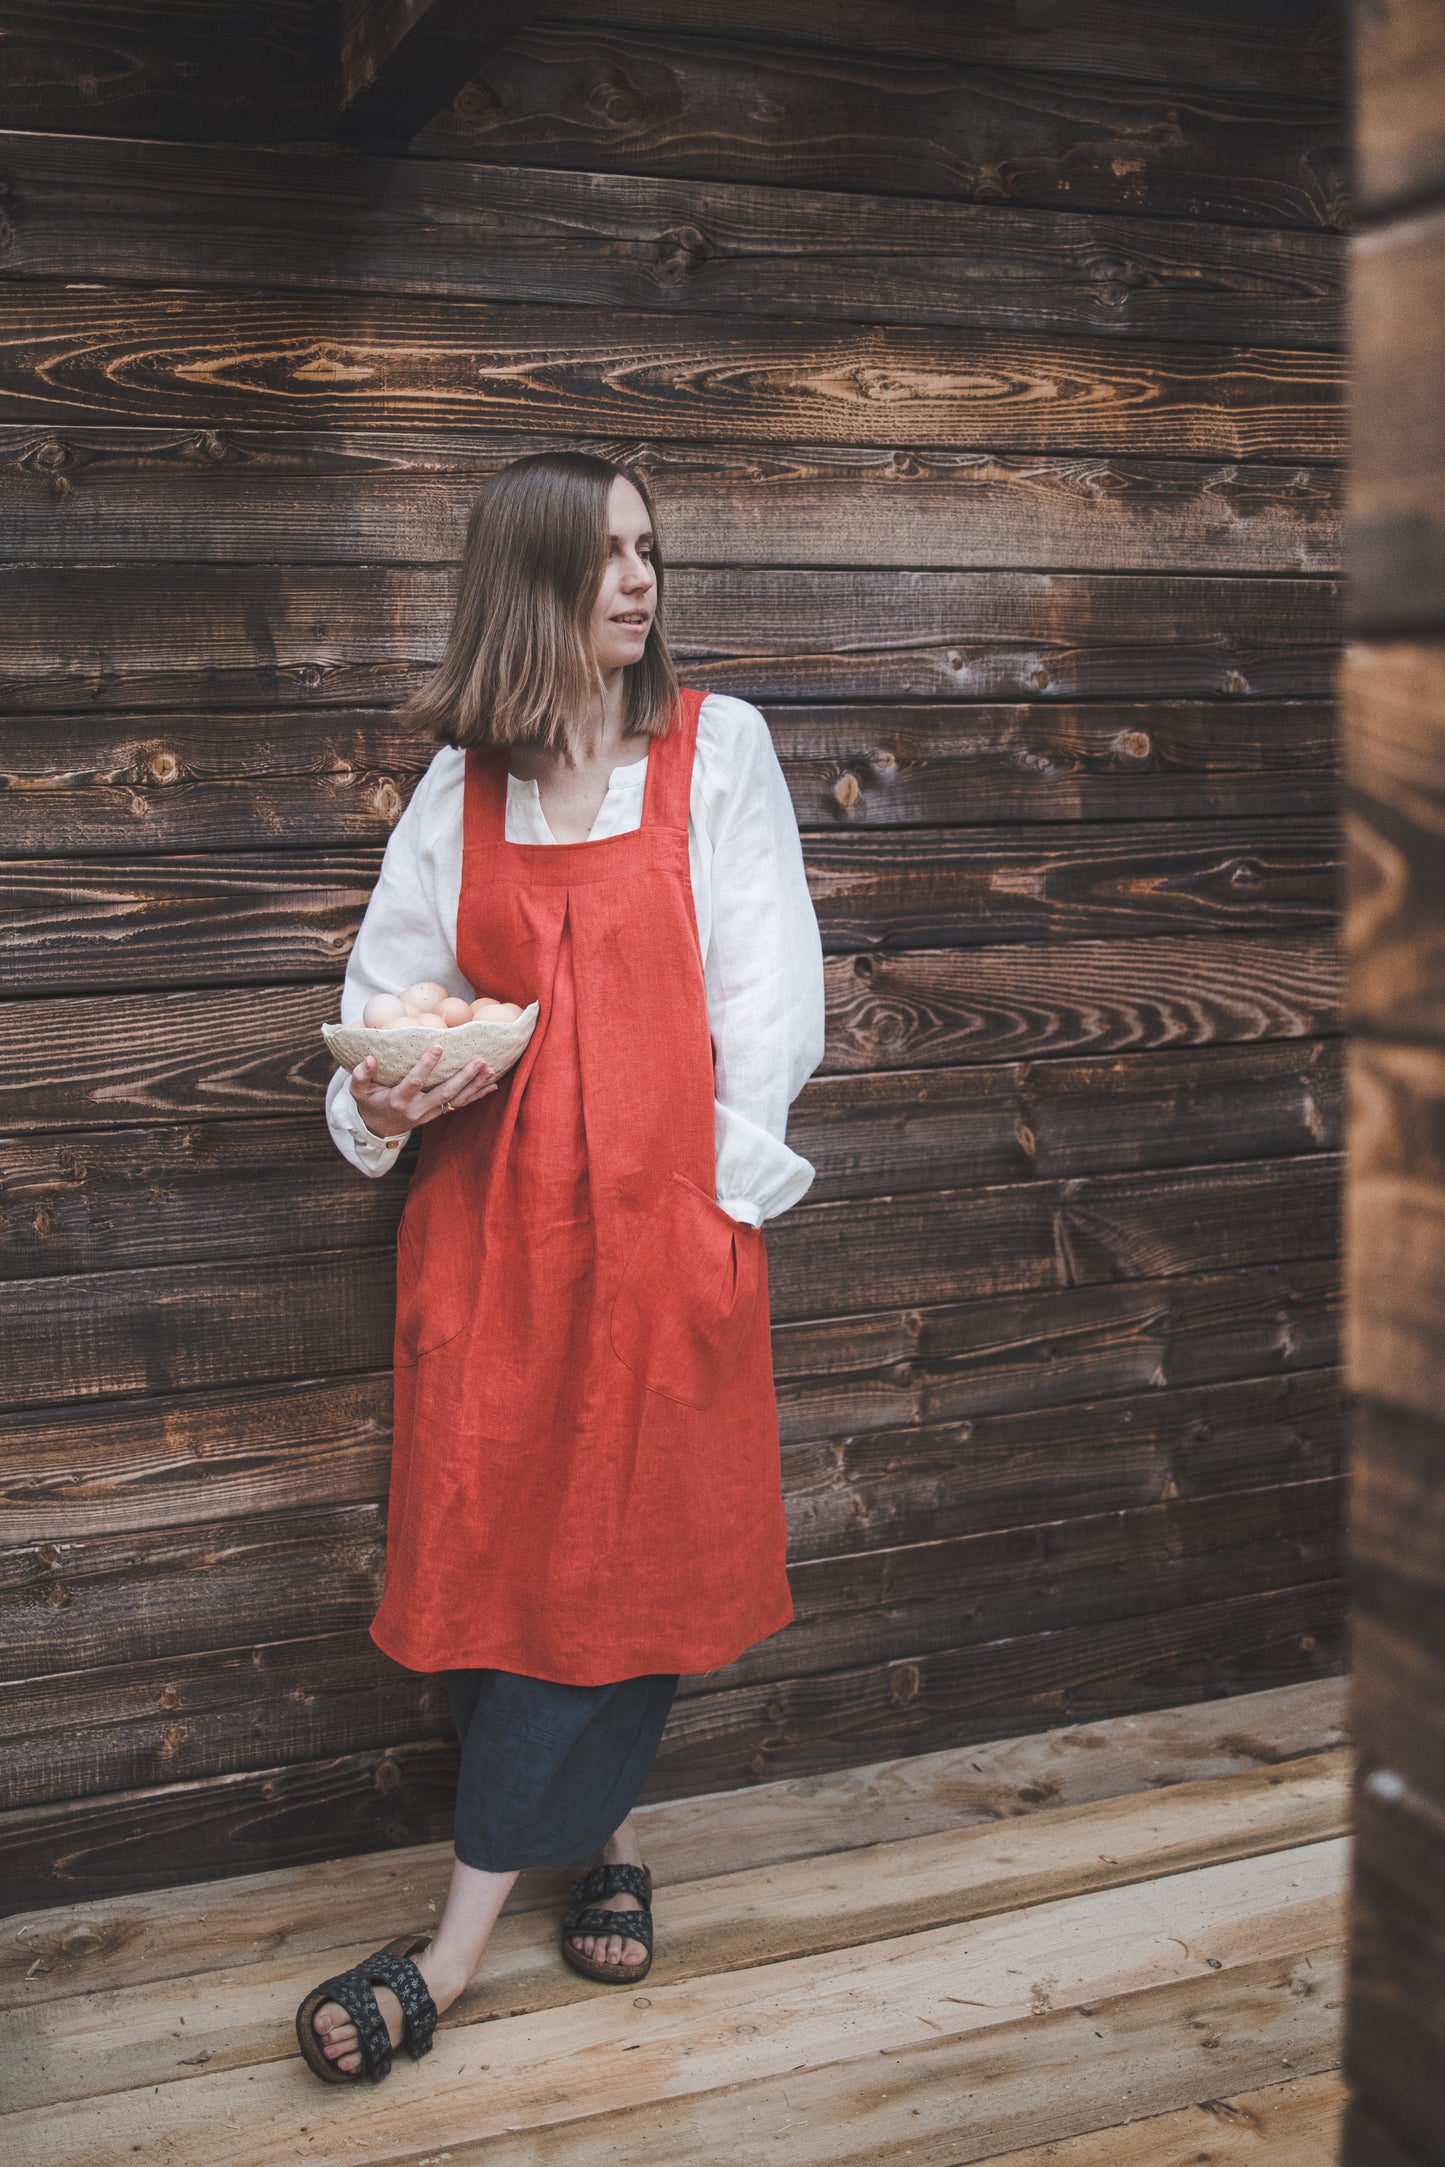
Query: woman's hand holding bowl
[[409, 1104], [394, 1110]]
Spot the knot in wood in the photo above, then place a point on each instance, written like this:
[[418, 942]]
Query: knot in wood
[[904, 1684], [1135, 745], [679, 251], [387, 1777], [847, 790]]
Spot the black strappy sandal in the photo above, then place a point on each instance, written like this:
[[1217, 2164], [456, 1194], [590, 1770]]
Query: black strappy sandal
[[390, 1966], [583, 1917]]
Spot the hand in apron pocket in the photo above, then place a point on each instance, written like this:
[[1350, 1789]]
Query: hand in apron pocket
[[686, 1294]]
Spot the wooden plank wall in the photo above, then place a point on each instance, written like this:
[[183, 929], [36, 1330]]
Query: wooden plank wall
[[1394, 741], [986, 362]]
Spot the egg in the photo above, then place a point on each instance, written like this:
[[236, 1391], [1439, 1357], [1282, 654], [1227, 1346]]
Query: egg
[[403, 1022], [428, 1021], [382, 1009], [506, 1012], [486, 1004], [425, 997], [454, 1011]]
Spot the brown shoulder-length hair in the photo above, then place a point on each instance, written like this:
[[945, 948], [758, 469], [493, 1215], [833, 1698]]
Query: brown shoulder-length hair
[[519, 667]]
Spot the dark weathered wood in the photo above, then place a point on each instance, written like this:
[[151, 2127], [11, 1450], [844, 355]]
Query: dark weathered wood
[[244, 1052], [218, 918], [294, 496], [1394, 751], [328, 777], [884, 891], [1365, 2142], [150, 1695], [355, 634], [1296, 48], [1396, 534], [1395, 1202], [1097, 1455], [117, 1332], [153, 213], [400, 61], [1400, 93], [868, 1405], [123, 1198], [606, 95], [141, 1594], [968, 1590], [1397, 1521], [132, 1597], [405, 1793], [219, 360], [197, 69], [102, 1199]]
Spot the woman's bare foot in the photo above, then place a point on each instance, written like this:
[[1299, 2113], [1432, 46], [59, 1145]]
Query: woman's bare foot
[[337, 2033], [621, 1848]]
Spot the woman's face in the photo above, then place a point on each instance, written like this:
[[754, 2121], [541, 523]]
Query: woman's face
[[627, 599]]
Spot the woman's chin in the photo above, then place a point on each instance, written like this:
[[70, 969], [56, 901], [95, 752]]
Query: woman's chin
[[618, 654]]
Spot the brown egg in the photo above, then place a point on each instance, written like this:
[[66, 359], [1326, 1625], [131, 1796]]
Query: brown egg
[[506, 1012], [380, 1010], [428, 1020], [403, 1022], [454, 1011], [485, 1005], [425, 997]]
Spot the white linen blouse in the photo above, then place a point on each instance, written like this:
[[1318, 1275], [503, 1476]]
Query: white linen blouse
[[756, 926]]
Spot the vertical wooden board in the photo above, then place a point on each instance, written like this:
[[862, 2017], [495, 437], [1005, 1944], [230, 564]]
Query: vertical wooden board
[[1394, 1224], [1393, 700], [1399, 103], [1395, 537]]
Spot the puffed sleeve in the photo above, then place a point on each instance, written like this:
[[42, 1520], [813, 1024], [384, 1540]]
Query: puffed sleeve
[[764, 966], [408, 933]]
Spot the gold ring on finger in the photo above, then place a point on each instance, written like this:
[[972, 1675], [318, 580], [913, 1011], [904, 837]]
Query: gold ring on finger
[[446, 1106]]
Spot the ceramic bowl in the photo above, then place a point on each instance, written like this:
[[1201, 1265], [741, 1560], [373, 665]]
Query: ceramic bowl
[[502, 1044]]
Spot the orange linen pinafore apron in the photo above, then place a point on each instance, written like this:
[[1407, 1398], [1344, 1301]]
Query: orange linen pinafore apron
[[585, 1480]]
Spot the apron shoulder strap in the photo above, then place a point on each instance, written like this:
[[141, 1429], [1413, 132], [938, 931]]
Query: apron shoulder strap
[[672, 755]]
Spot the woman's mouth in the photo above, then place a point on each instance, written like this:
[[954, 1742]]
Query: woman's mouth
[[632, 617]]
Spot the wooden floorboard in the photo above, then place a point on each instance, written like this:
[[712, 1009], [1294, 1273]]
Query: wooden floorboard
[[1123, 1939]]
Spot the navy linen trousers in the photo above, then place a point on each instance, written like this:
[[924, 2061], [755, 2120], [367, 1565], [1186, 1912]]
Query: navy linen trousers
[[550, 1770]]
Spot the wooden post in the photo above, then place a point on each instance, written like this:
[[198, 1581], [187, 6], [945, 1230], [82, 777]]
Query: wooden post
[[1394, 725]]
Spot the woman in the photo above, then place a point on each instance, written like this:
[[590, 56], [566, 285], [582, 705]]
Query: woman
[[585, 1498]]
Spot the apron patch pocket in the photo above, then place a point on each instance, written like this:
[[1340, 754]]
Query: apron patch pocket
[[686, 1295]]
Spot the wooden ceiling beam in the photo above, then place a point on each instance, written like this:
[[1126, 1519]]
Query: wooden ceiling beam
[[401, 61]]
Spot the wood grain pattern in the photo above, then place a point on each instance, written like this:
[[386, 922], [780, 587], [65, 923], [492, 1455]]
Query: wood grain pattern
[[249, 635], [219, 917], [1298, 49], [1393, 696], [189, 68], [719, 1921], [323, 777], [120, 1332], [130, 1598], [389, 1796], [232, 1454], [102, 1199], [1396, 531], [362, 361], [883, 1393], [69, 494], [244, 1052], [654, 96], [147, 213], [150, 1938]]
